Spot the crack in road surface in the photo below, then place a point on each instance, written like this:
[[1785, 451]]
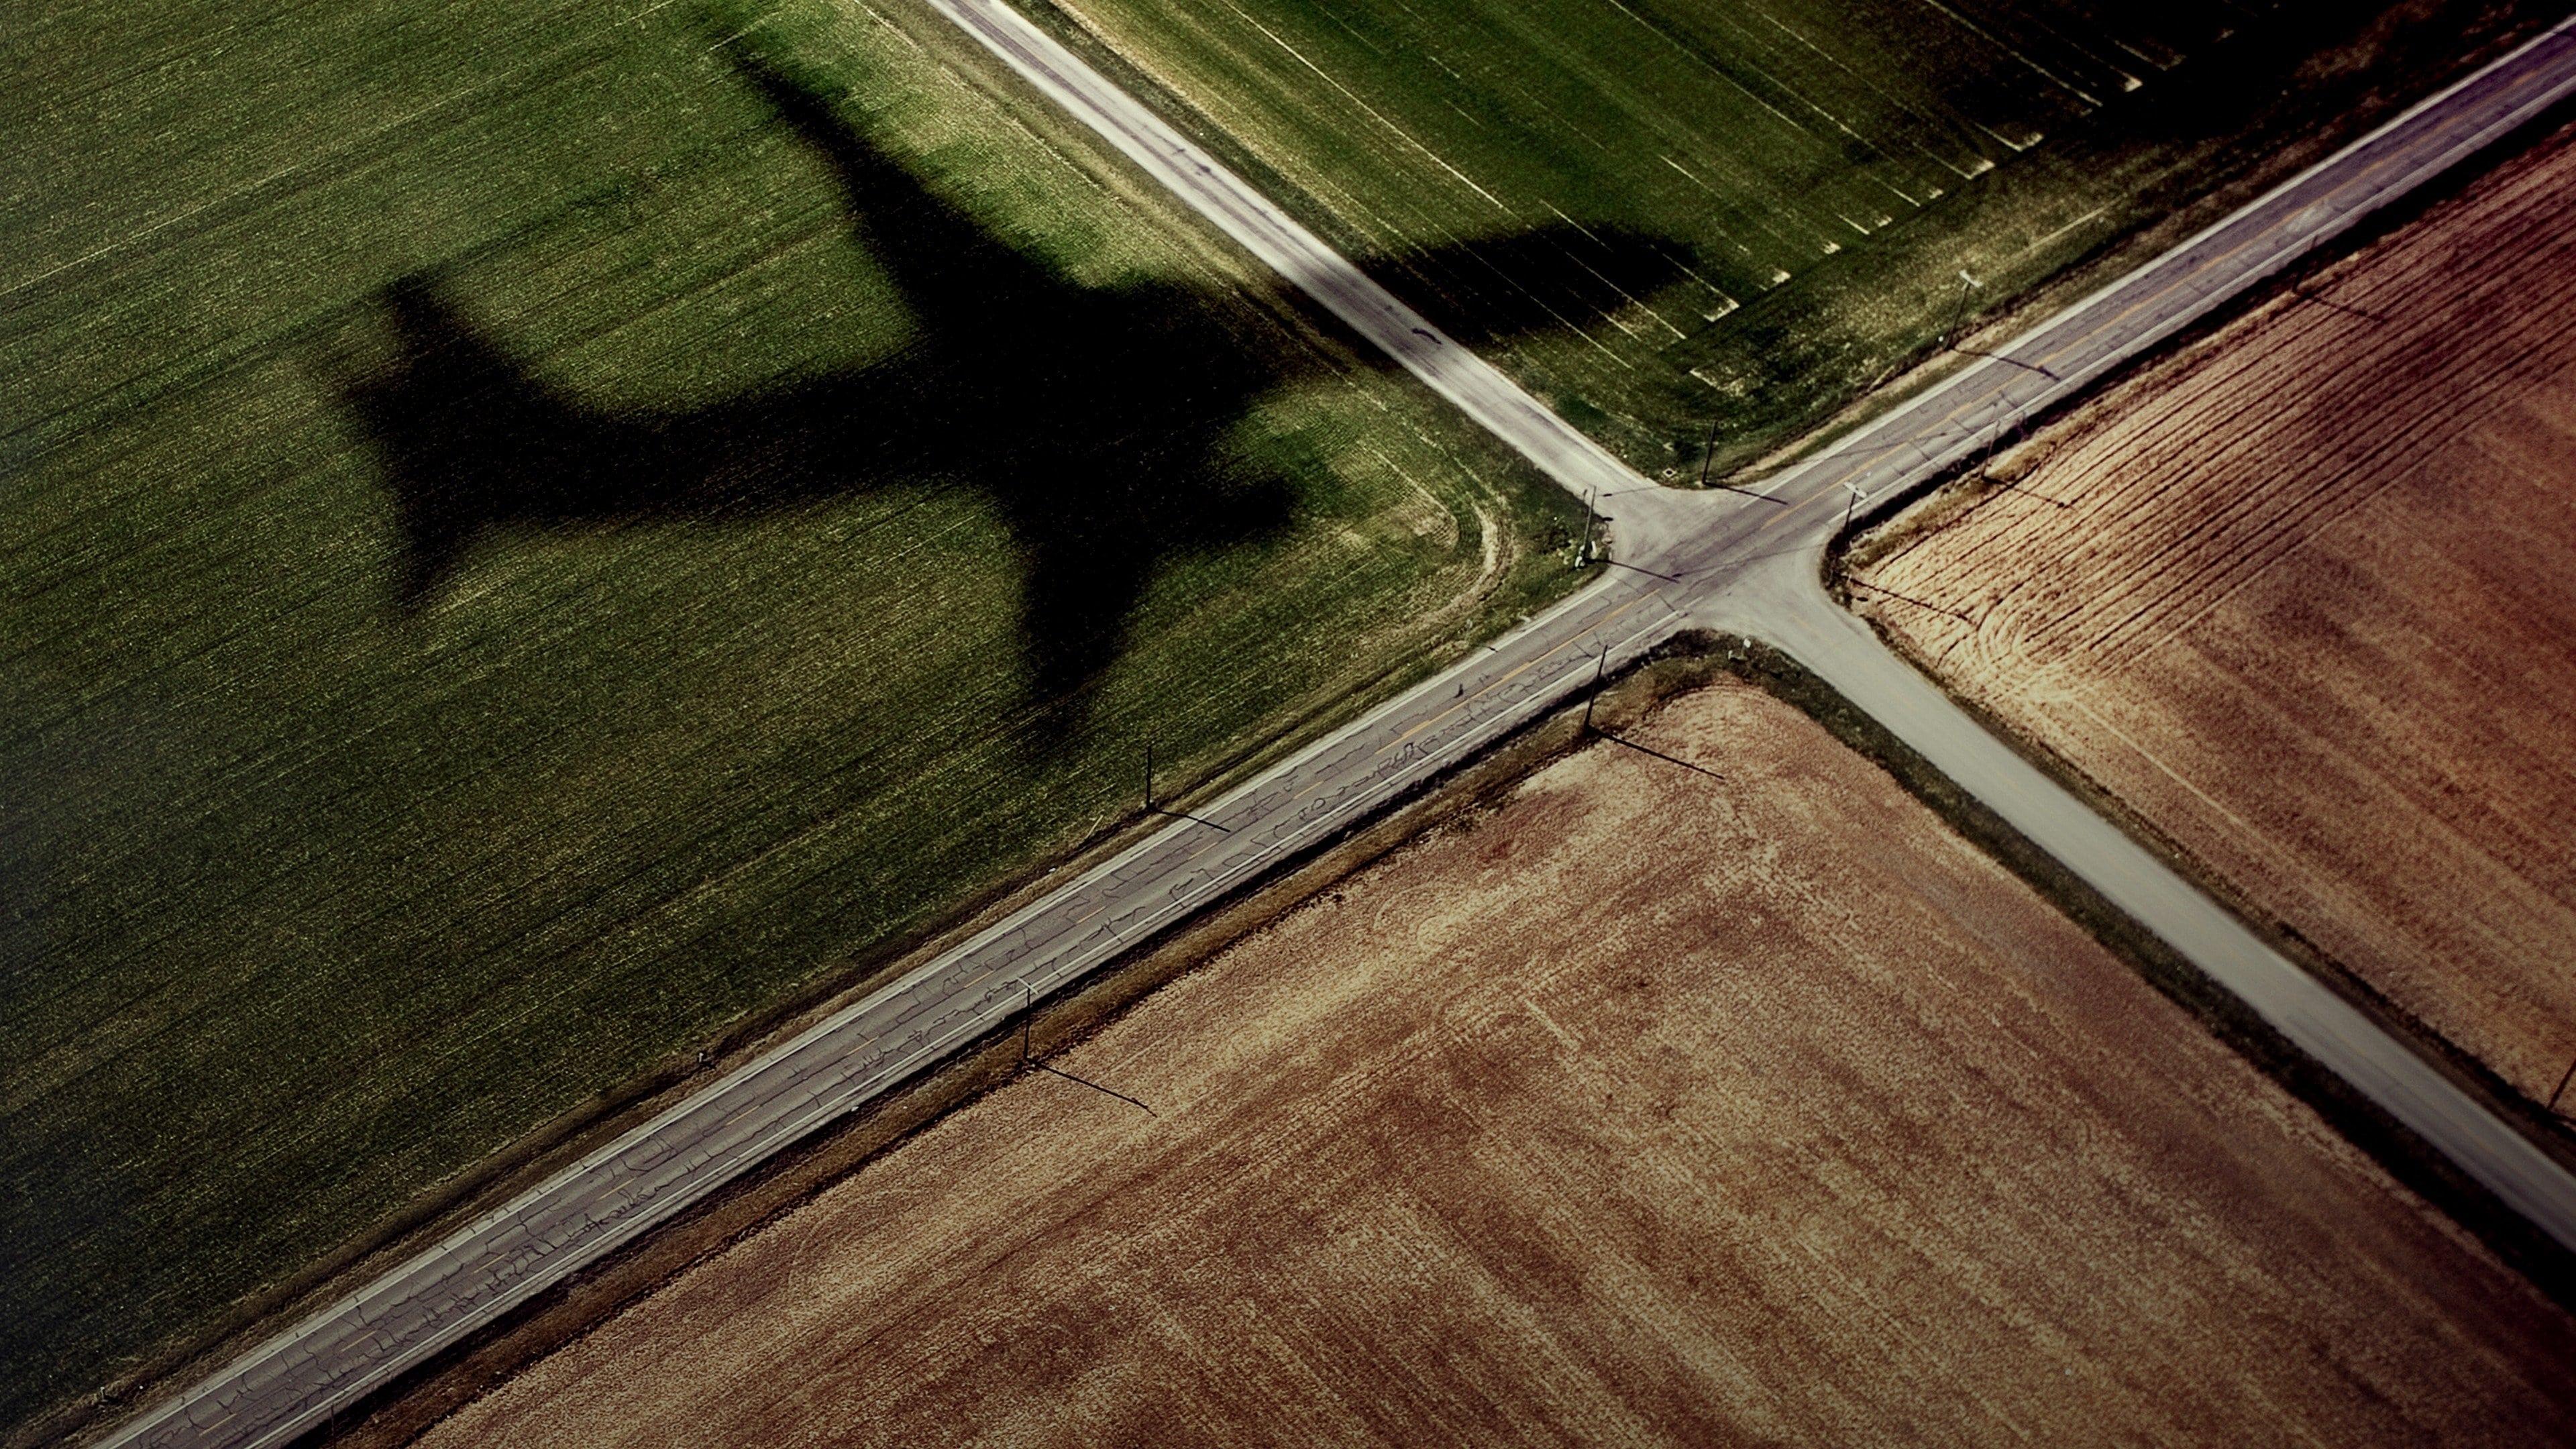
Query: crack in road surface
[[1714, 559]]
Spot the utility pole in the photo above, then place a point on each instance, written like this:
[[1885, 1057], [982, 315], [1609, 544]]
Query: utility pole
[[1959, 313], [1028, 1009], [1153, 809], [1590, 731], [1583, 555], [1708, 456]]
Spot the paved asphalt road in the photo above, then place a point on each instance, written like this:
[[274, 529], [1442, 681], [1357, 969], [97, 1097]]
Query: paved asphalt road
[[1719, 560]]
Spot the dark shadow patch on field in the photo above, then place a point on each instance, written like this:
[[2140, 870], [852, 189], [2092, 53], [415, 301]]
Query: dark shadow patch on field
[[1094, 421], [1490, 289], [2230, 84]]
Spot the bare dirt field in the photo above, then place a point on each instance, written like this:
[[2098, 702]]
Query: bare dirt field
[[2302, 597], [1651, 1107]]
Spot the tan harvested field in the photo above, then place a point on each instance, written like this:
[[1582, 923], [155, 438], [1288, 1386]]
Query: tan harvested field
[[1649, 1108], [2303, 597]]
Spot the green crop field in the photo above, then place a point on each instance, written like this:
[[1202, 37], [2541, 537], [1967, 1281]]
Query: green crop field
[[1777, 198], [535, 532]]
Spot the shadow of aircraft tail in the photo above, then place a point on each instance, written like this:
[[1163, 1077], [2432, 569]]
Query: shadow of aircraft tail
[[465, 435]]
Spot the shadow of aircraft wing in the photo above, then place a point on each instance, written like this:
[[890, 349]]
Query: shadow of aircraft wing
[[1494, 288], [1555, 278], [1097, 520], [466, 437], [958, 278]]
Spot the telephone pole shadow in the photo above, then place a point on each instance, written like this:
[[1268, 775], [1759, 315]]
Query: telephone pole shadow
[[1028, 1062]]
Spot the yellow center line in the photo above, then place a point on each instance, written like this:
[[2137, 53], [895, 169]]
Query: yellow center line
[[1458, 704], [1212, 839], [1782, 516]]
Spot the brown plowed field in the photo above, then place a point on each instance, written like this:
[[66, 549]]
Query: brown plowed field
[[2304, 597], [1652, 1108]]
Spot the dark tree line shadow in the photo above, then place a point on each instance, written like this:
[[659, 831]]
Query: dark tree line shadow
[[1094, 420]]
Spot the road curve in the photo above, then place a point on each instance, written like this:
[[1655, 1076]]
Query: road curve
[[1687, 559]]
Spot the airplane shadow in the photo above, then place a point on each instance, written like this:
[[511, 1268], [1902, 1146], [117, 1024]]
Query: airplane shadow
[[1093, 419]]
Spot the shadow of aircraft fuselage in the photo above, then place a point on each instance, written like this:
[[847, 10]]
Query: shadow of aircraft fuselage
[[1094, 420]]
